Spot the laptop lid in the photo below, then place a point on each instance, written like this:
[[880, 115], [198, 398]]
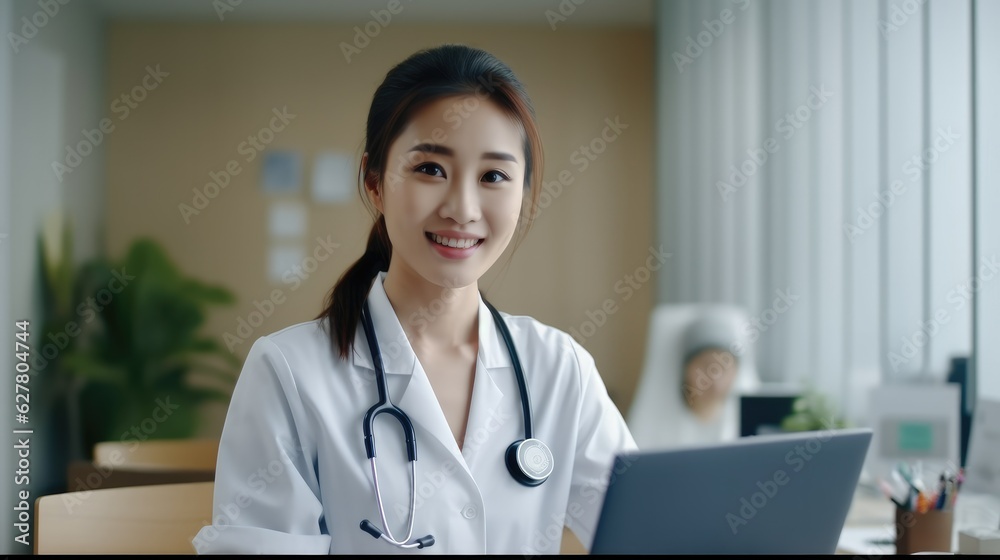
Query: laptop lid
[[782, 493]]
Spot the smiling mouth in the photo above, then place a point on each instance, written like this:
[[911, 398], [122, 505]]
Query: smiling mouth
[[451, 242]]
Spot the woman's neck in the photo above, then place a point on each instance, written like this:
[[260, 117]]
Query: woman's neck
[[432, 316]]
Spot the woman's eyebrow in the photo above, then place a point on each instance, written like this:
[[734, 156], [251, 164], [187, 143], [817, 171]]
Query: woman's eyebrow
[[446, 151]]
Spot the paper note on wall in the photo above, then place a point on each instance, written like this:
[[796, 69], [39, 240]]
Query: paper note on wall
[[333, 177], [282, 260], [287, 219], [281, 171]]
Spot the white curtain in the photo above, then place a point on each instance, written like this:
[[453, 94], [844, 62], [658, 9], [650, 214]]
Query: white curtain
[[987, 197], [816, 166]]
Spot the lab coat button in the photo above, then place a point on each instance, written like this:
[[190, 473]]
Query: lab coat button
[[469, 511]]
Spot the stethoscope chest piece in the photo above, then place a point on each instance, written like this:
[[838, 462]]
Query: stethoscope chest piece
[[529, 461]]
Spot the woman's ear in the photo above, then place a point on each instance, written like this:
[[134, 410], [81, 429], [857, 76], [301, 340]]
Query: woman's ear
[[371, 183]]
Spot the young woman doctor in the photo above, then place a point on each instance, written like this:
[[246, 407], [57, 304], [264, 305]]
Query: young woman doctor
[[410, 416]]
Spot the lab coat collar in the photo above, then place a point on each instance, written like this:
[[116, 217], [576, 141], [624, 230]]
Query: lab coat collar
[[398, 358], [397, 354]]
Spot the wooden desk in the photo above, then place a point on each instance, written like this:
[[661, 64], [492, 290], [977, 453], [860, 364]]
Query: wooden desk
[[84, 475], [155, 519], [571, 544], [873, 515]]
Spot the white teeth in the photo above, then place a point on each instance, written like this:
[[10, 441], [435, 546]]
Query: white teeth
[[456, 243]]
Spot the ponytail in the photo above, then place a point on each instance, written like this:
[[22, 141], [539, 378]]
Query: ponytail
[[343, 310]]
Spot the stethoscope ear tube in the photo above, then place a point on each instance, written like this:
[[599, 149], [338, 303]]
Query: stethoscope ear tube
[[422, 542], [372, 530], [404, 423], [384, 404]]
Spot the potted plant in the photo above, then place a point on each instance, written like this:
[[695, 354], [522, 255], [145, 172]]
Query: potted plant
[[133, 366], [812, 411]]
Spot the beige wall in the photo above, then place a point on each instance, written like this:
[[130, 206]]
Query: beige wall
[[224, 81]]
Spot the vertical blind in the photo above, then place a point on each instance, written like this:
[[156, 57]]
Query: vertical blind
[[821, 163], [986, 177]]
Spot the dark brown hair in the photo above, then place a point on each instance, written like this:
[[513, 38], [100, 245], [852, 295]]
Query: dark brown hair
[[426, 76]]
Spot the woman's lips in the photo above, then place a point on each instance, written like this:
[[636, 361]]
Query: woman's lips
[[452, 252]]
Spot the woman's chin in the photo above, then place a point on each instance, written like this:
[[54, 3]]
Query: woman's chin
[[706, 412]]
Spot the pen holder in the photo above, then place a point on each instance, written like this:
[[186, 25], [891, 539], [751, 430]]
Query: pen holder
[[923, 532]]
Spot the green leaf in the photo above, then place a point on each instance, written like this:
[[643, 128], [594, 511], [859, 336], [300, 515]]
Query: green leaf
[[141, 320], [199, 394], [228, 376], [91, 368], [208, 293], [209, 347]]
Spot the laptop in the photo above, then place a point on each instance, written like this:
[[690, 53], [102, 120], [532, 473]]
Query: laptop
[[771, 494]]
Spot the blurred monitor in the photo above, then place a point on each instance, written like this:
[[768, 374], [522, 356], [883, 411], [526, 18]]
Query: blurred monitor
[[959, 374], [762, 413], [914, 422]]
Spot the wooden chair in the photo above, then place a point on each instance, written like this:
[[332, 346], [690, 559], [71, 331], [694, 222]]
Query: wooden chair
[[159, 455], [161, 519], [84, 475]]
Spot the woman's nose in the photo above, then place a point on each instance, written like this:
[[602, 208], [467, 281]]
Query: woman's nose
[[462, 202]]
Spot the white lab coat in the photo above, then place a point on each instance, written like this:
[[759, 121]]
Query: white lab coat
[[292, 475]]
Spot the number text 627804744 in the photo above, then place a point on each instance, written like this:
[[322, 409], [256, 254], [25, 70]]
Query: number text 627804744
[[22, 433]]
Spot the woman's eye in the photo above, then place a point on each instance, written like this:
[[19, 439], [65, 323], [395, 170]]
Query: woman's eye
[[497, 177], [429, 168]]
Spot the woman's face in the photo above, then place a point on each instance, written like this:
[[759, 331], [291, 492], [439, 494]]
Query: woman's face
[[452, 190], [708, 378]]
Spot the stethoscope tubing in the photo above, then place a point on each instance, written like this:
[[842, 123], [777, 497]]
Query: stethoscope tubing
[[522, 387], [386, 406], [387, 533]]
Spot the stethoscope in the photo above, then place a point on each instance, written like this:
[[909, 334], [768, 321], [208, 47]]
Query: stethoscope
[[528, 460]]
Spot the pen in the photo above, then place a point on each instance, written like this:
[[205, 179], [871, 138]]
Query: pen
[[953, 495], [942, 492], [902, 473], [923, 503], [888, 491]]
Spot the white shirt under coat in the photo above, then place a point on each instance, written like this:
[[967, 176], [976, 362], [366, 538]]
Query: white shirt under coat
[[292, 475]]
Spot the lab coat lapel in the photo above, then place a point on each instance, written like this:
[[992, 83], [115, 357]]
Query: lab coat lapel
[[397, 356], [486, 415], [409, 388], [420, 403], [417, 398]]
